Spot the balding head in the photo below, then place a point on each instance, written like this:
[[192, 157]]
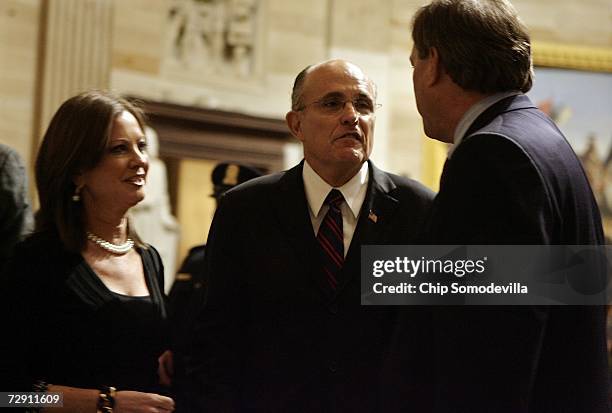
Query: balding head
[[301, 78]]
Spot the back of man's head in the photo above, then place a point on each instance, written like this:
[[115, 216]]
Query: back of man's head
[[482, 44]]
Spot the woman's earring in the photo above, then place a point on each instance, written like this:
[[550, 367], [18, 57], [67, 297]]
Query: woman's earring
[[76, 197]]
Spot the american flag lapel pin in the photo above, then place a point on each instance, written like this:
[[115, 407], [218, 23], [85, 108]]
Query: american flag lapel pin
[[373, 217]]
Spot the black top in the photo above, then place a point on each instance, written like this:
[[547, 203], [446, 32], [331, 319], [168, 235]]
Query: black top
[[67, 328]]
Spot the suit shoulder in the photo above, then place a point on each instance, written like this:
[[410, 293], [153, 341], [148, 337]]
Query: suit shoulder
[[254, 188], [39, 257], [43, 242], [408, 186], [525, 132], [495, 149]]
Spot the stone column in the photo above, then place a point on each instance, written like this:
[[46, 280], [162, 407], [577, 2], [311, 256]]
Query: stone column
[[77, 51]]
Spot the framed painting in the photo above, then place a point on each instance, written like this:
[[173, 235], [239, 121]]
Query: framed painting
[[573, 85]]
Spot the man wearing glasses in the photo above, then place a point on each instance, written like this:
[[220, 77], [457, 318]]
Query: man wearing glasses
[[282, 329]]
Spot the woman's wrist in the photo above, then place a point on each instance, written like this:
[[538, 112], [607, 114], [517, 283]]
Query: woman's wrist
[[106, 400]]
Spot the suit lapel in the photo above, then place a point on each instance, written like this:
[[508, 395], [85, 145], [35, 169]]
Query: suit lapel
[[374, 223], [291, 208], [508, 104]]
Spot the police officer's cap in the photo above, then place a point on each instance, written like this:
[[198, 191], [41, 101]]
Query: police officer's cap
[[225, 176]]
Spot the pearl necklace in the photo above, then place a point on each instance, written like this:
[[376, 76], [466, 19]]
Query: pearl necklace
[[109, 246]]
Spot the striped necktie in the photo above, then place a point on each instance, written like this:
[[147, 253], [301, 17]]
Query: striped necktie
[[331, 238]]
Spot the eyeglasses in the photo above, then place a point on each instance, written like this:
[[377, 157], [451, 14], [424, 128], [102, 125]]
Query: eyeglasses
[[334, 105]]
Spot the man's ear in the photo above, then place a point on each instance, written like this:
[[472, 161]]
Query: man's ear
[[434, 67], [294, 122]]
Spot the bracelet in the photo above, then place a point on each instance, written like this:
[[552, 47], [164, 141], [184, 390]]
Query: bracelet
[[106, 400], [39, 386]]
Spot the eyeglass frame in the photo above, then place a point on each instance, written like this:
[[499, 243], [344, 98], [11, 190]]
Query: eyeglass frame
[[344, 101]]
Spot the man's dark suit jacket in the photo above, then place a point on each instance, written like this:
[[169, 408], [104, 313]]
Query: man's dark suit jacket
[[515, 180], [15, 212], [271, 337]]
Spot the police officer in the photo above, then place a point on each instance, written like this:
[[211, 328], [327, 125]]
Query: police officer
[[189, 286]]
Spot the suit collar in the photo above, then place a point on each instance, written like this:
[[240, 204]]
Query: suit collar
[[509, 104], [291, 208], [473, 113], [377, 209], [379, 185], [375, 221]]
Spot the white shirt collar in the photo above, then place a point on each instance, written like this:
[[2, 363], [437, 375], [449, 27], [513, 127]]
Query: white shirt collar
[[472, 113], [354, 191]]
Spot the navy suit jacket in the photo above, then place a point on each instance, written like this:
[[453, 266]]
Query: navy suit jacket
[[271, 337], [515, 180]]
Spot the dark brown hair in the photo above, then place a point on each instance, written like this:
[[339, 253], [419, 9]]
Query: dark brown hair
[[482, 44], [74, 142]]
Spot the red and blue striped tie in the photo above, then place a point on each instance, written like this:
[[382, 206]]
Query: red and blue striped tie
[[331, 239]]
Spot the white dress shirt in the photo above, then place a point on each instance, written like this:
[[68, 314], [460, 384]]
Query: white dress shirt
[[354, 193]]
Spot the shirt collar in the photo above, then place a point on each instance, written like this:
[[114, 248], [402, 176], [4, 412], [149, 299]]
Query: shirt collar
[[317, 189], [472, 114]]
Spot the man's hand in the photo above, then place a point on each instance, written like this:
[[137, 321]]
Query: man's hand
[[166, 368], [137, 402]]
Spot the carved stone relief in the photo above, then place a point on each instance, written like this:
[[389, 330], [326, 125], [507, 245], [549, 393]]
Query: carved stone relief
[[216, 37]]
